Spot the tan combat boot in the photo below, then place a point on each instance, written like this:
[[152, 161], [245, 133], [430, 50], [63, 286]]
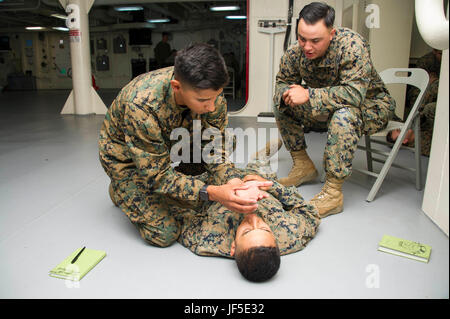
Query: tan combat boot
[[330, 200], [303, 170], [268, 150]]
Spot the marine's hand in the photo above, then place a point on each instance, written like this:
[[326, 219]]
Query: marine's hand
[[254, 190], [258, 178], [226, 195], [235, 181], [296, 95]]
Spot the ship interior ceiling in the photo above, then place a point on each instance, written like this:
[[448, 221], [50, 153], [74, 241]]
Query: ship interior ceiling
[[122, 43], [54, 192]]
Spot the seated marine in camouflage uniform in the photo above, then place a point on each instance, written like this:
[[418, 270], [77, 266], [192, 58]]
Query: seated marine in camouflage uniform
[[430, 62], [282, 224], [327, 82], [136, 140]]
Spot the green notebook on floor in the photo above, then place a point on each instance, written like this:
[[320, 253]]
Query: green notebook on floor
[[80, 267], [405, 248]]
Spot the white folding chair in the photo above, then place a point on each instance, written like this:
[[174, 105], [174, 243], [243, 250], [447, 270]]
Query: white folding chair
[[418, 78]]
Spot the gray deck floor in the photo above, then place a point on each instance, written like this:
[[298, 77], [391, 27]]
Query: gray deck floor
[[54, 199]]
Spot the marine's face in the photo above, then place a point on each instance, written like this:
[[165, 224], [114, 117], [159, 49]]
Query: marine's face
[[253, 232], [314, 39], [197, 100]]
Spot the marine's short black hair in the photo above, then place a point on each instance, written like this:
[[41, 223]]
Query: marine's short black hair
[[316, 11], [201, 66], [258, 264]]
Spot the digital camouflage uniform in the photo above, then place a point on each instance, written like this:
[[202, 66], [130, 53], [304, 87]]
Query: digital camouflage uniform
[[135, 145], [426, 127], [211, 230], [426, 111], [344, 88], [431, 64]]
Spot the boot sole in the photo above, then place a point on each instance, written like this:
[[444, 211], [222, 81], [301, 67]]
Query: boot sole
[[305, 179], [334, 211]]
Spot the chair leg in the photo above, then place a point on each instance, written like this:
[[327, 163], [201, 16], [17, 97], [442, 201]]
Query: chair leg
[[368, 153], [418, 152], [387, 165]]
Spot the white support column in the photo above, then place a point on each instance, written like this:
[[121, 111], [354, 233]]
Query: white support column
[[435, 199], [433, 26], [271, 31], [83, 99]]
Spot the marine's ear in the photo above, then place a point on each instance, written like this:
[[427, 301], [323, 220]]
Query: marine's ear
[[176, 85], [332, 33], [233, 248]]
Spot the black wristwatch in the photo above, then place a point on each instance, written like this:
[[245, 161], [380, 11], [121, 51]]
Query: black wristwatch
[[204, 193]]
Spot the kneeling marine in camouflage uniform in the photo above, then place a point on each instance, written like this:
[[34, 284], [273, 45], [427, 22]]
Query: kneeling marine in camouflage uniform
[[135, 143]]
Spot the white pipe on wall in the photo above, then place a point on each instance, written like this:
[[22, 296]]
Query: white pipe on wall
[[432, 23]]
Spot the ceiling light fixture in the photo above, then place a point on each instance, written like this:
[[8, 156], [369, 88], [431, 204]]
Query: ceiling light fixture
[[161, 20], [224, 8], [35, 28], [129, 8], [236, 17], [60, 28], [59, 16]]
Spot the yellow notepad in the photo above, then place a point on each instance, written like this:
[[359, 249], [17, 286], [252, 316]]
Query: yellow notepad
[[85, 262], [405, 248]]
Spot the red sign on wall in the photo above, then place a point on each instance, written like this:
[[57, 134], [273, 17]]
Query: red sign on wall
[[75, 35]]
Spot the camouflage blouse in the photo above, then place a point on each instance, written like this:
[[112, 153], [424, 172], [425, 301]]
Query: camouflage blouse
[[343, 77], [211, 231], [135, 138]]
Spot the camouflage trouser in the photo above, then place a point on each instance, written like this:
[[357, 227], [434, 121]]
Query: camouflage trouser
[[344, 127], [426, 111], [157, 217], [427, 114], [154, 215], [412, 93]]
